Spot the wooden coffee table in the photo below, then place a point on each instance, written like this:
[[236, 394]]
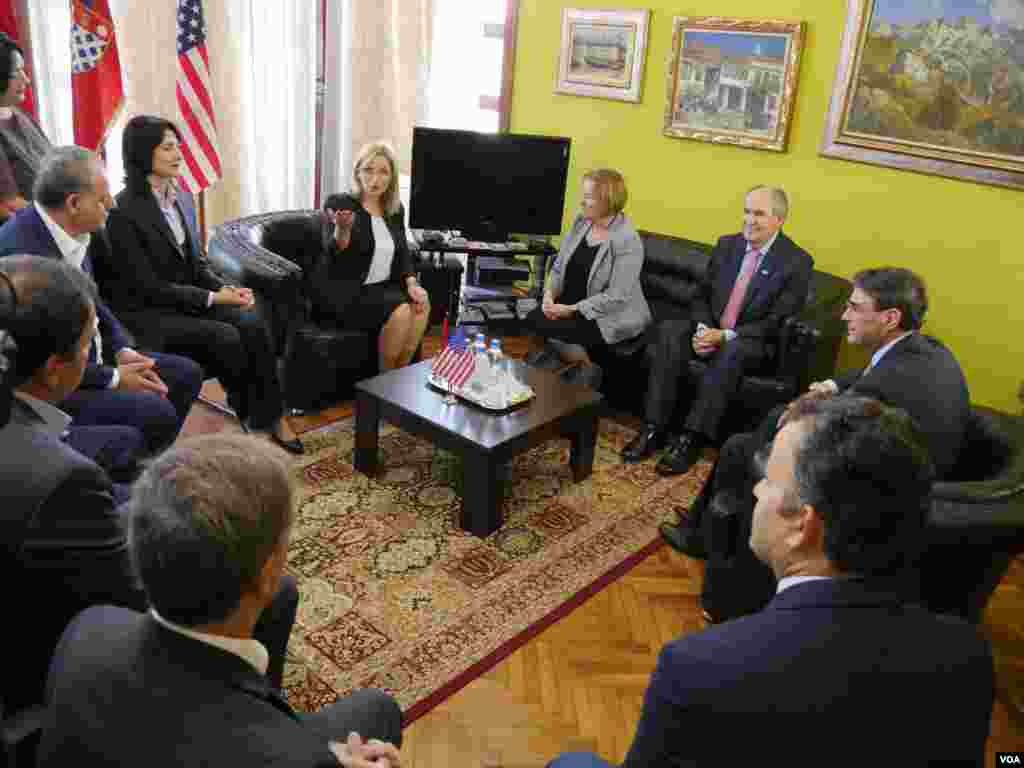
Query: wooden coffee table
[[484, 440]]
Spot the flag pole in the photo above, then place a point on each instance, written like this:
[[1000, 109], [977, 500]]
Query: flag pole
[[201, 211]]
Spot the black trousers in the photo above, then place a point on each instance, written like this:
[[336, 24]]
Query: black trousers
[[669, 353], [232, 344], [735, 581], [369, 712], [274, 627], [575, 329]]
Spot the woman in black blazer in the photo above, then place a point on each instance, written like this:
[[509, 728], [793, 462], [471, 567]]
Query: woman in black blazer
[[163, 288], [366, 279]]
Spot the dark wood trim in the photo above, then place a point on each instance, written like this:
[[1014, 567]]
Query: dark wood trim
[[201, 217], [508, 66]]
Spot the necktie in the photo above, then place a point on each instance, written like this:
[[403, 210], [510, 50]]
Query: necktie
[[739, 288]]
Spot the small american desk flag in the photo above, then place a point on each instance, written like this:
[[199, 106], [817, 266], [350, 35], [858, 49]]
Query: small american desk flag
[[455, 364]]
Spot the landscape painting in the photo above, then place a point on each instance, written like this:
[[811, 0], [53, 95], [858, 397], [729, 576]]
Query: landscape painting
[[602, 53], [933, 85], [733, 80]]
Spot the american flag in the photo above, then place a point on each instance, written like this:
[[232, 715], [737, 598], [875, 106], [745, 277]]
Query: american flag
[[195, 100], [455, 364]]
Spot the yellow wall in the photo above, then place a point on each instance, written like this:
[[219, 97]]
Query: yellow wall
[[967, 240]]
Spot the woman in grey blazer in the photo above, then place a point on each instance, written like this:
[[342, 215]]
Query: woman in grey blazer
[[592, 297]]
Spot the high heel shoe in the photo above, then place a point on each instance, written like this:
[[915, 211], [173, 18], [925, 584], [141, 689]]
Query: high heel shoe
[[292, 446]]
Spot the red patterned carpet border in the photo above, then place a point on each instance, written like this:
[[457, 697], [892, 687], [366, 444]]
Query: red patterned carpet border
[[423, 706]]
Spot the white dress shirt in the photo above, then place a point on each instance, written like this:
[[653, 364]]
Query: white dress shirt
[[249, 650], [73, 249], [789, 581], [383, 254]]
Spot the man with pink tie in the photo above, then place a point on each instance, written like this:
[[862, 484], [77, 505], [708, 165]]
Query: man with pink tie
[[755, 279]]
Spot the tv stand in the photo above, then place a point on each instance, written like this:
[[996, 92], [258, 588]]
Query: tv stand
[[473, 292]]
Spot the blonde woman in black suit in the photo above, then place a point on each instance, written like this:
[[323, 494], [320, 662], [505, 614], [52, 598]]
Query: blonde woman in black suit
[[366, 279]]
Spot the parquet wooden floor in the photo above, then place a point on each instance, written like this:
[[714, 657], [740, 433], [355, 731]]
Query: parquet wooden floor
[[579, 684]]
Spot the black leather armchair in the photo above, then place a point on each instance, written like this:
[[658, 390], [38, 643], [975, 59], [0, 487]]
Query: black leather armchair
[[275, 254], [976, 523], [808, 343]]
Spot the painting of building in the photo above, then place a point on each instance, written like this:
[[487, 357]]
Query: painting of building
[[731, 81]]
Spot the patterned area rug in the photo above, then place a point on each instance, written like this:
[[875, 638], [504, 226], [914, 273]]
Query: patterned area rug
[[396, 596]]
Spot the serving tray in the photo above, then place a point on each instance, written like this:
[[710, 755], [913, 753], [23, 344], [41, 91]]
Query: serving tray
[[524, 394]]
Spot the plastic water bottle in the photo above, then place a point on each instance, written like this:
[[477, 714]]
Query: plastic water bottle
[[497, 359], [497, 390], [482, 363]]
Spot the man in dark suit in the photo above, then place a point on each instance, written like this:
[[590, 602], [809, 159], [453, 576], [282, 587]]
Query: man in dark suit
[[836, 668], [754, 281], [151, 392], [61, 532], [907, 370], [183, 684], [62, 544]]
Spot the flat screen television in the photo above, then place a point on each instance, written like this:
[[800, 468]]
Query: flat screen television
[[487, 185]]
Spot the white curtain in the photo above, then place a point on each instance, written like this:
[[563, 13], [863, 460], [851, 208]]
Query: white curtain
[[50, 24], [376, 81], [274, 52], [263, 70]]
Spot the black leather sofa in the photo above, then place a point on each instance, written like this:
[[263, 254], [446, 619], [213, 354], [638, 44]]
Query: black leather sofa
[[275, 255], [807, 348]]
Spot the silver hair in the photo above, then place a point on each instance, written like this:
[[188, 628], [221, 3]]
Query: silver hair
[[780, 201], [64, 171]]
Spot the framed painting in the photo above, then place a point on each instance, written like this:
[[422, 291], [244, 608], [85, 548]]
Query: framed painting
[[733, 81], [602, 53], [934, 86]]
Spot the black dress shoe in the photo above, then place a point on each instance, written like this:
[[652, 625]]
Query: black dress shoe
[[589, 375], [643, 445], [545, 358], [683, 538], [292, 446], [681, 456]]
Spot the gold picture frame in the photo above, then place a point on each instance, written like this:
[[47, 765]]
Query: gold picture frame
[[733, 81], [921, 91], [602, 53]]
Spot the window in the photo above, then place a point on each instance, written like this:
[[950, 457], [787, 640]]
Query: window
[[466, 70]]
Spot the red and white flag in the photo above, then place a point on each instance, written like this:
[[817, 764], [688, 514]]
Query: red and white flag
[[96, 90], [455, 364], [195, 101]]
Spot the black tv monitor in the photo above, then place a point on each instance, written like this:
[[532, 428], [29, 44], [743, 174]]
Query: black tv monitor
[[487, 185]]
